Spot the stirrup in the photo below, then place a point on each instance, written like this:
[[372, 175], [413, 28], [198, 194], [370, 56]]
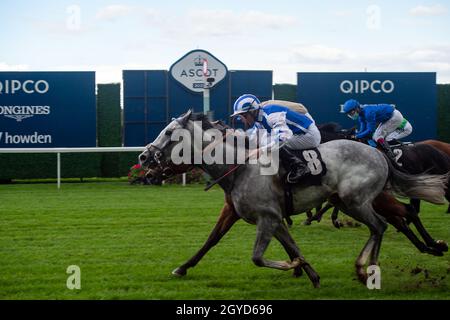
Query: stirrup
[[390, 154], [291, 180]]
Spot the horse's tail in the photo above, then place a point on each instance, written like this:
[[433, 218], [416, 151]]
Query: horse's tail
[[426, 187]]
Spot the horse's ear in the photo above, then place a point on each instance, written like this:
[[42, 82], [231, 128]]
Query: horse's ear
[[185, 118]]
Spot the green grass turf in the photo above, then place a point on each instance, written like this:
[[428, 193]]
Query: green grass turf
[[128, 239]]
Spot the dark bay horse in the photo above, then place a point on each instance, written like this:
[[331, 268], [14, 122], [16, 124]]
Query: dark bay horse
[[443, 147], [429, 156], [258, 198], [397, 213]]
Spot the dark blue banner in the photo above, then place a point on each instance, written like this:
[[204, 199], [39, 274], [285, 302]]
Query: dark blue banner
[[47, 109], [413, 94], [151, 98]]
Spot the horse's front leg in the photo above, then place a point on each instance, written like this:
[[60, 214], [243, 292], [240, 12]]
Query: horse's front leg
[[266, 228], [334, 218], [319, 213], [226, 220], [288, 243]]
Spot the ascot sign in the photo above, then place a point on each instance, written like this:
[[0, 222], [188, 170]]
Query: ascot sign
[[189, 70]]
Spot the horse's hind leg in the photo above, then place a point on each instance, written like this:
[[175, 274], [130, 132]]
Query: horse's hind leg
[[400, 224], [437, 244], [288, 243], [226, 220], [447, 196], [367, 215], [415, 203]]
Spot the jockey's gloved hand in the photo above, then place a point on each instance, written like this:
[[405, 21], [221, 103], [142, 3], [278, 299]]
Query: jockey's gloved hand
[[372, 143]]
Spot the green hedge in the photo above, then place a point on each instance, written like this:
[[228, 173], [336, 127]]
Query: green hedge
[[443, 105], [37, 166], [285, 92], [109, 130]]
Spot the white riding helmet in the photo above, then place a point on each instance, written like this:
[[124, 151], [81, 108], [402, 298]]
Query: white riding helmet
[[245, 103]]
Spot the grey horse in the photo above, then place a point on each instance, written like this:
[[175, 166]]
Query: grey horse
[[356, 174]]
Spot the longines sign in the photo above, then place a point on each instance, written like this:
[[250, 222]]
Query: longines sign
[[47, 109], [194, 67]]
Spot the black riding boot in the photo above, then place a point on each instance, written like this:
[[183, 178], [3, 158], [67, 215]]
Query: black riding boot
[[296, 167], [387, 149]]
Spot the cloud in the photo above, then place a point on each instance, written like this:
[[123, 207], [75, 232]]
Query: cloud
[[429, 54], [13, 67], [442, 67], [229, 23], [318, 53], [200, 22], [114, 11], [322, 58], [434, 10], [147, 14], [343, 13], [105, 73]]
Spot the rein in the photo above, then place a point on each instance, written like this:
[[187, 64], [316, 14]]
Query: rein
[[233, 168], [213, 183], [230, 171]]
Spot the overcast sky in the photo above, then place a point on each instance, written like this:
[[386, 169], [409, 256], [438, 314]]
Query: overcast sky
[[283, 36]]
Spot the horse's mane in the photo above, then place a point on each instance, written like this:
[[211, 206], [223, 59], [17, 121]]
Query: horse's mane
[[206, 123], [330, 127]]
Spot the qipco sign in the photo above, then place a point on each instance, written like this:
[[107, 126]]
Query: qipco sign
[[47, 109], [26, 86], [363, 86], [189, 70], [413, 93]]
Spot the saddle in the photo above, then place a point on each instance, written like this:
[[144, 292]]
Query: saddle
[[312, 159], [317, 169]]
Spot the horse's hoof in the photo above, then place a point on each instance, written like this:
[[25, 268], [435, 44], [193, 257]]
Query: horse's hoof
[[362, 277], [337, 224], [179, 272], [315, 279], [298, 272], [441, 245], [307, 223], [435, 252]]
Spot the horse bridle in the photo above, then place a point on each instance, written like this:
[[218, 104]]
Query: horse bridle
[[165, 167]]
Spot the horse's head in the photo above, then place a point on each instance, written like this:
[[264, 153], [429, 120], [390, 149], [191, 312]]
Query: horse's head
[[334, 131], [156, 157]]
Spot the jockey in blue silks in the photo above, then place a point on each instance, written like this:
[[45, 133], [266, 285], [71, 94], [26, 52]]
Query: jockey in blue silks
[[381, 122], [294, 130]]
